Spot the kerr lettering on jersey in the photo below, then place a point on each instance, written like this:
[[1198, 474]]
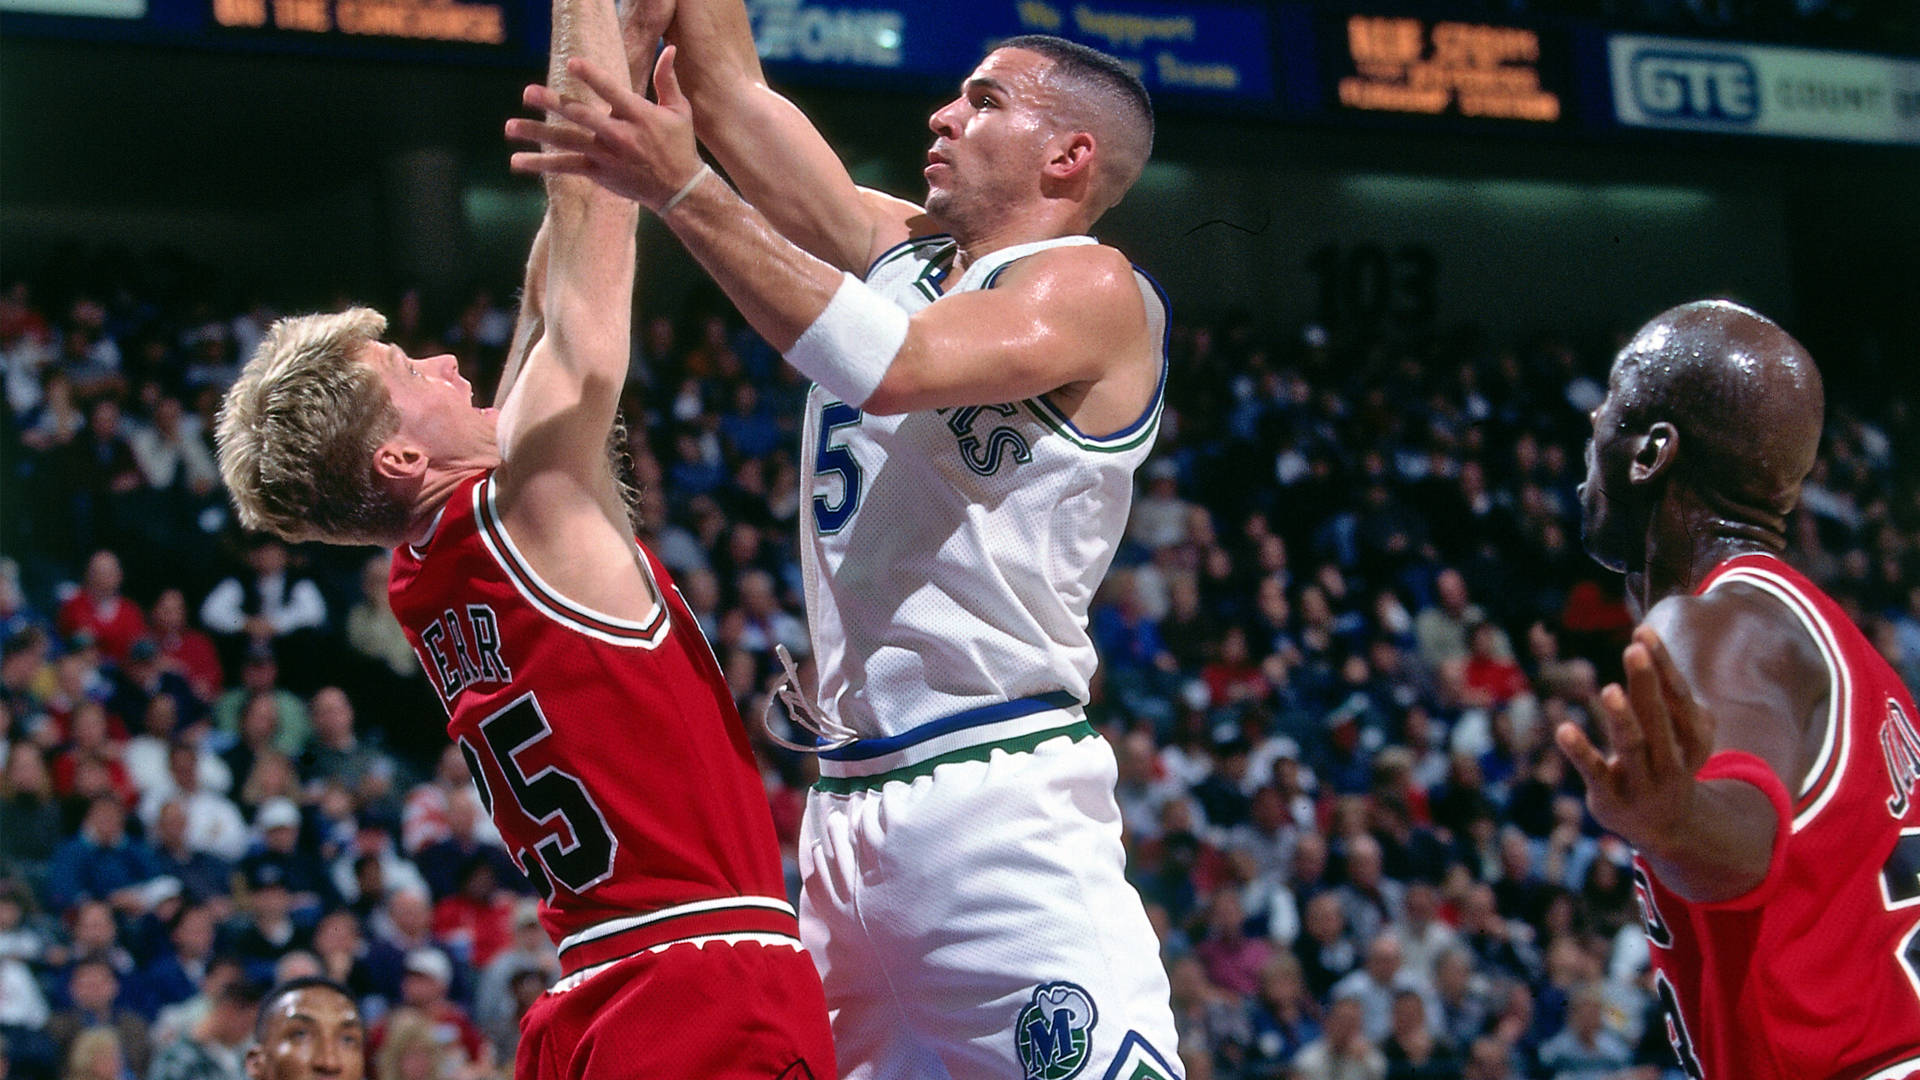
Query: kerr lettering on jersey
[[1901, 744], [463, 649]]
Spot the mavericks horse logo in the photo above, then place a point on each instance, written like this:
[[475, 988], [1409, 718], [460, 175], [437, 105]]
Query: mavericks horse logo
[[1054, 1034]]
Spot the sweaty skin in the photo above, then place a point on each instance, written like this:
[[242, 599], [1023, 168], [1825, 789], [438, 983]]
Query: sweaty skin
[[1711, 422]]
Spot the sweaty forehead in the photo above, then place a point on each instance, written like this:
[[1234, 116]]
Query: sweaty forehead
[[1021, 71], [316, 1004]]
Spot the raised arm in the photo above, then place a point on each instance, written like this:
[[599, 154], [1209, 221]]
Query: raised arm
[[1706, 743], [768, 146], [530, 325], [1061, 317], [558, 406]]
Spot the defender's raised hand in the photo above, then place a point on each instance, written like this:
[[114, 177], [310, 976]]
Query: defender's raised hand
[[1643, 787], [633, 147]]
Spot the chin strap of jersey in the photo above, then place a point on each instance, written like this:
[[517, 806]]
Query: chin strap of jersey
[[829, 733]]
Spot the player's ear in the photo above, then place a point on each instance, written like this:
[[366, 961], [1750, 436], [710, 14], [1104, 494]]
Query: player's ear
[[1654, 454], [1072, 156], [400, 460], [255, 1063]]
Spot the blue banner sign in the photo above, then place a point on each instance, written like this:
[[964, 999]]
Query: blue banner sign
[[1205, 49]]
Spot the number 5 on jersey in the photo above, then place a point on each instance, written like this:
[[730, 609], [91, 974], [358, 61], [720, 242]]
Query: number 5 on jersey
[[576, 852], [831, 457]]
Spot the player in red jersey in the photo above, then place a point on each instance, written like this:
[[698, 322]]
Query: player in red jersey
[[599, 729], [1762, 759]]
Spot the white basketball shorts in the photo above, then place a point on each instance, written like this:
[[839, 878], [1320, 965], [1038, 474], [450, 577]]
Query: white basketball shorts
[[966, 904]]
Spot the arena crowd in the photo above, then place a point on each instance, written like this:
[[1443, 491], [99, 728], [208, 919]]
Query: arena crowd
[[1351, 607]]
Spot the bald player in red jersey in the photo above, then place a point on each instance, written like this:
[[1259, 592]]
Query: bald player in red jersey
[[1762, 758], [600, 732]]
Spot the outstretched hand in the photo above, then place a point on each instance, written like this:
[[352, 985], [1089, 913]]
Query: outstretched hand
[[1643, 787], [639, 149]]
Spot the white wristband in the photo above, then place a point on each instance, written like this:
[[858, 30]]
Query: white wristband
[[849, 347], [686, 189]]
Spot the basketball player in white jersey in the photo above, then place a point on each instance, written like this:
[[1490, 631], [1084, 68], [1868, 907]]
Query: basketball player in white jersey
[[988, 377]]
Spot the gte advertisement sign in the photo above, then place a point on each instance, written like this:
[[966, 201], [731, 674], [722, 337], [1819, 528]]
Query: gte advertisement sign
[[1764, 90]]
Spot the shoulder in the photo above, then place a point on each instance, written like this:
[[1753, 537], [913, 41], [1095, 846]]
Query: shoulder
[[1743, 650], [1085, 265], [1093, 281], [1736, 622]]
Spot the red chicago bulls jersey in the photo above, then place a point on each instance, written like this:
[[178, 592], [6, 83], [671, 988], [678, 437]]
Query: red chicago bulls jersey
[[1816, 974], [608, 751]]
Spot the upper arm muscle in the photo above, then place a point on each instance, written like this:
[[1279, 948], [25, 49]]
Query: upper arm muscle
[[1063, 316], [1754, 667]]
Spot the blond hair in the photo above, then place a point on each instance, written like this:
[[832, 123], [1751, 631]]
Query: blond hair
[[83, 1056], [298, 430]]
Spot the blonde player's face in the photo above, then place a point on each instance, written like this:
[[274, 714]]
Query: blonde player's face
[[435, 404], [991, 141]]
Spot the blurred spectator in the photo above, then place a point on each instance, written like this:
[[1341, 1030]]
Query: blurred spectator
[[266, 930], [373, 634], [103, 479], [424, 1003], [1343, 1051], [476, 921], [103, 862], [428, 814], [99, 1054], [1462, 996], [260, 677], [214, 824], [146, 754], [271, 604], [30, 820], [99, 608], [763, 622], [92, 990], [184, 649], [1585, 1049], [447, 863], [338, 754], [215, 1047], [185, 962], [1232, 959], [1378, 982], [202, 875], [1282, 1019], [279, 826], [496, 1008], [1325, 950], [1412, 1050], [1443, 627]]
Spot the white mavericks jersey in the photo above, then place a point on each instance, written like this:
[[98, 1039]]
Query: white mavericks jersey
[[951, 555]]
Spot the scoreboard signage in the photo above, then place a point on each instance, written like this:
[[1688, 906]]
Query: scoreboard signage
[[1217, 50], [94, 9], [413, 20], [1406, 66], [1764, 90]]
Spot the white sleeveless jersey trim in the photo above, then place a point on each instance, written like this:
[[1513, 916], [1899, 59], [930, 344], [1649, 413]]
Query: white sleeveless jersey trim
[[1148, 424], [627, 633], [964, 573], [1830, 765]]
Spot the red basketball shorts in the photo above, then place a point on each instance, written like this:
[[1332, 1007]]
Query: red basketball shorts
[[744, 1011]]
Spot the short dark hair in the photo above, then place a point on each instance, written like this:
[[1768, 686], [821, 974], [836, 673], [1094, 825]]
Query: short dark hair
[[1121, 112], [245, 992], [294, 986], [1088, 63]]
